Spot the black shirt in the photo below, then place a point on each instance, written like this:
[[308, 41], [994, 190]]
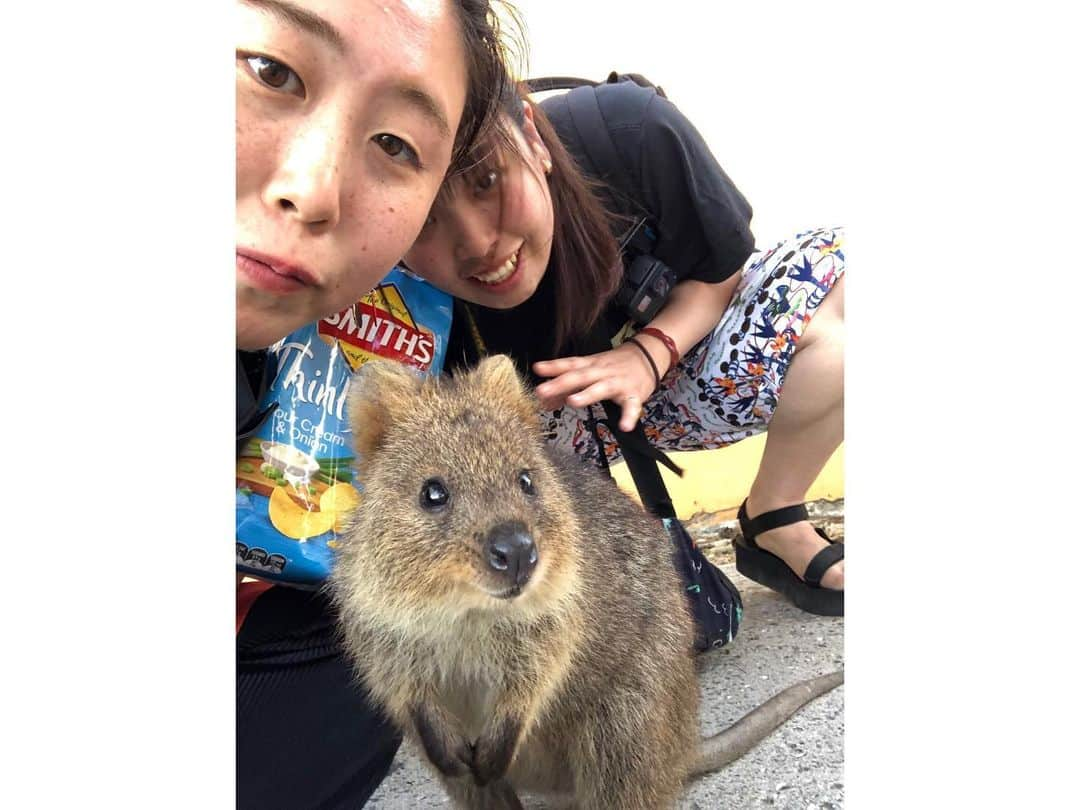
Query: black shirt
[[701, 220], [254, 373]]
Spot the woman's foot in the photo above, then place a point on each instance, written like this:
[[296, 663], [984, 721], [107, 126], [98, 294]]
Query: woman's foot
[[796, 544]]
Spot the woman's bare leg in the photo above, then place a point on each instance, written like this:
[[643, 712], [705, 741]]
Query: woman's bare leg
[[806, 427]]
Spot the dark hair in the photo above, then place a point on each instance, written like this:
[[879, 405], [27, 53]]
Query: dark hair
[[585, 259], [488, 78]]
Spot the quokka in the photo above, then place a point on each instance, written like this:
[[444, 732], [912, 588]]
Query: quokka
[[515, 614]]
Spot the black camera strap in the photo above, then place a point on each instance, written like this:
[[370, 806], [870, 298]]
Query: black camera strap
[[546, 83], [594, 137], [558, 83], [587, 119], [641, 457], [584, 110], [642, 461], [713, 598]]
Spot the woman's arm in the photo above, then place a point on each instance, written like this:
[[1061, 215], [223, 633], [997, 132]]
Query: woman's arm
[[623, 374]]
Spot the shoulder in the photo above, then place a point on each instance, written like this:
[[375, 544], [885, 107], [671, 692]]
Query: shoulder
[[638, 121], [606, 127], [623, 106], [626, 104], [628, 107]]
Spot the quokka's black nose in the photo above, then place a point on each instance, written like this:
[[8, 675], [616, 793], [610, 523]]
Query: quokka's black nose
[[511, 552]]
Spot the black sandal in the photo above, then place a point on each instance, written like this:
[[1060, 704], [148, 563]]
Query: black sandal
[[764, 567]]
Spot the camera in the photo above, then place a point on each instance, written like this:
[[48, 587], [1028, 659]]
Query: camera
[[646, 280], [645, 288]]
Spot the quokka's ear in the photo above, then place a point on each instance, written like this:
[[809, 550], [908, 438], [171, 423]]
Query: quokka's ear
[[498, 381], [378, 390]]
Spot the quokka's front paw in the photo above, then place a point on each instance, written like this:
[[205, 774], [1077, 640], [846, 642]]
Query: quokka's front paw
[[444, 743], [495, 750]]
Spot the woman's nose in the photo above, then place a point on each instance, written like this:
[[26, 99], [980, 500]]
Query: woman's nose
[[478, 231], [307, 183]]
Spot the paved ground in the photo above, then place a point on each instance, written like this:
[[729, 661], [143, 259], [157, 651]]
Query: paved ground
[[800, 766]]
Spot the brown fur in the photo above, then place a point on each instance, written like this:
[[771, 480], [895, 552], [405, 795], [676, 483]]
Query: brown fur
[[580, 687]]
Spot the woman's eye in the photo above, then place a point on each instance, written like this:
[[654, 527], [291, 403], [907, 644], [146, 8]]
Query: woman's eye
[[275, 75], [434, 495], [396, 148], [487, 180], [526, 483]]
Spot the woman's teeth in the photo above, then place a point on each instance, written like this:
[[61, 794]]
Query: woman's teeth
[[501, 274]]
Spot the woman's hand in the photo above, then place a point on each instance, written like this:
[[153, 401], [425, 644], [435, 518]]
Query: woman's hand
[[622, 375]]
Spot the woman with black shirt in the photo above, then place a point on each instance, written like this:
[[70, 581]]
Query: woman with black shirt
[[529, 242]]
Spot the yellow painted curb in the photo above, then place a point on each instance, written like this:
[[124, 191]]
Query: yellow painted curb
[[718, 480]]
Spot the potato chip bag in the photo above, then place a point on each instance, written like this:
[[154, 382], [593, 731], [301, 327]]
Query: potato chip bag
[[296, 478]]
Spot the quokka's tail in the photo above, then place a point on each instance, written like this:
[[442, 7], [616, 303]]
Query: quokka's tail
[[727, 746]]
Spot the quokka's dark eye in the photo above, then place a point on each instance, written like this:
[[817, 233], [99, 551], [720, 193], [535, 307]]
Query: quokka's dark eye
[[525, 482], [434, 495]]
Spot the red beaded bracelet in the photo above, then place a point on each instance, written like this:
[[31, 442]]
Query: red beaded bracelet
[[669, 344]]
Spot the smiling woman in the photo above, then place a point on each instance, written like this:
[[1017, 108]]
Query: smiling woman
[[349, 114]]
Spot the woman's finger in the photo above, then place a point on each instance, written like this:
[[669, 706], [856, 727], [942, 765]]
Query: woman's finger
[[560, 365], [603, 389], [631, 413], [568, 382]]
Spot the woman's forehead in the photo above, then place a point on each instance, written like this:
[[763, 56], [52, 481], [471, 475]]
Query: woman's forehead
[[407, 33], [337, 21]]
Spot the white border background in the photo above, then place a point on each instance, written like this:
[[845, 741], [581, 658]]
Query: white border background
[[942, 135]]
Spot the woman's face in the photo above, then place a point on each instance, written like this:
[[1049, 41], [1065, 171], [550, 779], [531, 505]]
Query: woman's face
[[488, 237], [345, 122]]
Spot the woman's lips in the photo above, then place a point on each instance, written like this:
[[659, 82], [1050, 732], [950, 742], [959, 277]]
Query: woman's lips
[[271, 275]]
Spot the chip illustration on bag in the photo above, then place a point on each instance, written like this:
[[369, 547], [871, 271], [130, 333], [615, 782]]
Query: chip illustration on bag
[[296, 478]]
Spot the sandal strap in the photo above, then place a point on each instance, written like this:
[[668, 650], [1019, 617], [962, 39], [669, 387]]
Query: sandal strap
[[784, 516], [823, 561], [744, 526]]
